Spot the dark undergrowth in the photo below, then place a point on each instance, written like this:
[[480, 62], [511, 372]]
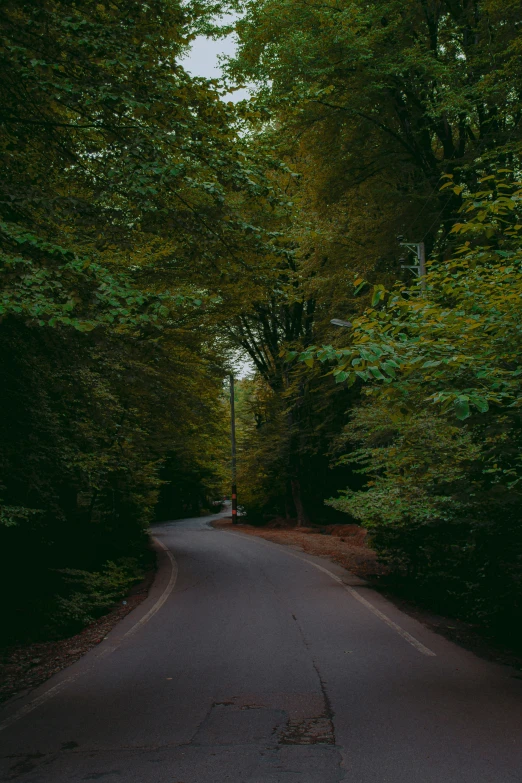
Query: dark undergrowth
[[500, 642], [52, 598]]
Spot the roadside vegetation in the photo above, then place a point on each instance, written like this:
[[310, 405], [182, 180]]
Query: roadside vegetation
[[124, 195], [399, 122], [151, 232]]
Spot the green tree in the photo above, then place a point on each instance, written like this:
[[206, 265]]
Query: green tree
[[393, 92], [438, 435], [123, 217]]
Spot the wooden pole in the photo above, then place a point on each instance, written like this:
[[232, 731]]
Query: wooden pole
[[233, 441]]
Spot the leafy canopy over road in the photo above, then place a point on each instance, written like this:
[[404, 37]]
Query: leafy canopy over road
[[129, 211], [149, 231]]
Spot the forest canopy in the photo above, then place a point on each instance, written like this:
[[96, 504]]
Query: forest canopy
[[151, 231], [125, 198], [401, 124]]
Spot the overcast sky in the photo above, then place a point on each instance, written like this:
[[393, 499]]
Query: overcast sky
[[202, 59]]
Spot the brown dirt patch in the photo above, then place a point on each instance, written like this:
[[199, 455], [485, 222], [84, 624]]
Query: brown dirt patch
[[343, 544], [24, 667]]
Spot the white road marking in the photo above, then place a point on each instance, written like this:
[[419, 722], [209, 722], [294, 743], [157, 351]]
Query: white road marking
[[377, 612], [32, 705], [405, 635], [163, 597]]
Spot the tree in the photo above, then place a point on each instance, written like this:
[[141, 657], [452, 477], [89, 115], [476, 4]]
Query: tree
[[123, 216], [387, 97], [438, 436]]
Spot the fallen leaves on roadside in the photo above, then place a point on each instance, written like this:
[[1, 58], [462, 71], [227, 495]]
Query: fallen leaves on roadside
[[24, 667], [343, 544]]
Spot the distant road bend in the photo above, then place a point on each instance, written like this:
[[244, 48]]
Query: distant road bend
[[254, 663]]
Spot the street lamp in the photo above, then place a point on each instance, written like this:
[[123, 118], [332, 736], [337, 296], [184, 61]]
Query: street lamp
[[232, 440]]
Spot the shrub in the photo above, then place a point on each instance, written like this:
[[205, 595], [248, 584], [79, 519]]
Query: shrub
[[96, 591]]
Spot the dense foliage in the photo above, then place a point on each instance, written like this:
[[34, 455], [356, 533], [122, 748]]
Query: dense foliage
[[120, 230], [402, 118], [150, 232], [438, 433]]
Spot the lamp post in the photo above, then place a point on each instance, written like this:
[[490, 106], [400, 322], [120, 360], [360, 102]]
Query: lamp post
[[233, 443]]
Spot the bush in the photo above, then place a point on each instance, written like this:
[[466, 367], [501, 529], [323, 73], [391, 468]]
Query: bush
[[96, 591], [439, 435]]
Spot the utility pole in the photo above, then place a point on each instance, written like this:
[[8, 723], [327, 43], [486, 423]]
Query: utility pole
[[233, 440], [420, 268]]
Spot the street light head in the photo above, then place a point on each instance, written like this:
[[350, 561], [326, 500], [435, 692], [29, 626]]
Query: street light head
[[339, 322]]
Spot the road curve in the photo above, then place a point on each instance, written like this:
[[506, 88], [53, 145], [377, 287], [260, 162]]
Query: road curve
[[254, 663]]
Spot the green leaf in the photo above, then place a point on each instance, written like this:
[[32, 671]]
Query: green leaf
[[389, 369], [461, 408], [480, 403], [378, 294]]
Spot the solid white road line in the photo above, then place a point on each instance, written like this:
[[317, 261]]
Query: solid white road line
[[377, 612], [161, 600], [32, 705]]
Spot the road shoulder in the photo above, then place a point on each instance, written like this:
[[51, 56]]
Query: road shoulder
[[26, 671]]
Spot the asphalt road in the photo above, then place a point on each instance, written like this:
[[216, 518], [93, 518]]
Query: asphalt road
[[259, 664]]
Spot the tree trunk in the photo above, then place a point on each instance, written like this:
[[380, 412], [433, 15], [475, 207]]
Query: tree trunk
[[302, 519], [289, 503]]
